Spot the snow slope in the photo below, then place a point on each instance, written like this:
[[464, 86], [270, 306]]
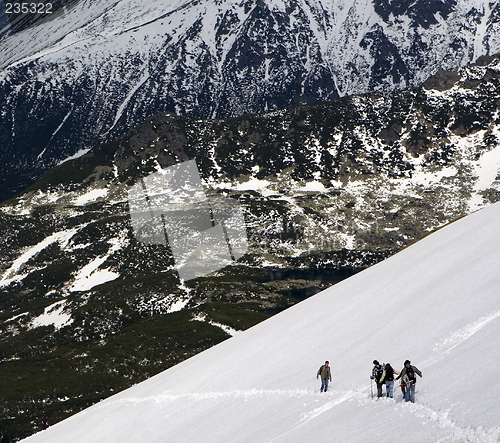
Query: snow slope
[[435, 303]]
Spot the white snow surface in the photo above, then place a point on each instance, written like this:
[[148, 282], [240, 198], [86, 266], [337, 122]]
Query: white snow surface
[[53, 315], [13, 274], [489, 165], [92, 275], [91, 196], [436, 303]]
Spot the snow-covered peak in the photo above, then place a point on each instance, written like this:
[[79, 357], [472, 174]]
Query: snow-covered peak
[[104, 66]]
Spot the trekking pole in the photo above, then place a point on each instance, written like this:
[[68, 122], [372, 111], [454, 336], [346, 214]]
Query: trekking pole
[[371, 386]]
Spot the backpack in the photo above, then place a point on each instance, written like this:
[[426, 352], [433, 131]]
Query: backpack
[[379, 370], [389, 374], [410, 373]]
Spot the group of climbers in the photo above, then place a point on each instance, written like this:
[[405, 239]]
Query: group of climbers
[[382, 374]]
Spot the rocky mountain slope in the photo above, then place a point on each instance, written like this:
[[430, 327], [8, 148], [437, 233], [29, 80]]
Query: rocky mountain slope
[[102, 67], [87, 308]]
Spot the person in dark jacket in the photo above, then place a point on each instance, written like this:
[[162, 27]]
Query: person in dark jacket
[[326, 374], [377, 372], [388, 379], [409, 379], [45, 422]]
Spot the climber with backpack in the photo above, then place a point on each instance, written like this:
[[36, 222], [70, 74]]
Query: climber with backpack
[[409, 379], [377, 372], [388, 379]]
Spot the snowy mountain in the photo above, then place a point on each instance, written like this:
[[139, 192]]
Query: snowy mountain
[[103, 66], [87, 308], [435, 303]]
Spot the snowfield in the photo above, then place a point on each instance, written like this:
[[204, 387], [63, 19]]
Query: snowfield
[[436, 303]]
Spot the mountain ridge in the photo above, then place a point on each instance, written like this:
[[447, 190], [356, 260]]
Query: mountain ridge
[[102, 70]]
